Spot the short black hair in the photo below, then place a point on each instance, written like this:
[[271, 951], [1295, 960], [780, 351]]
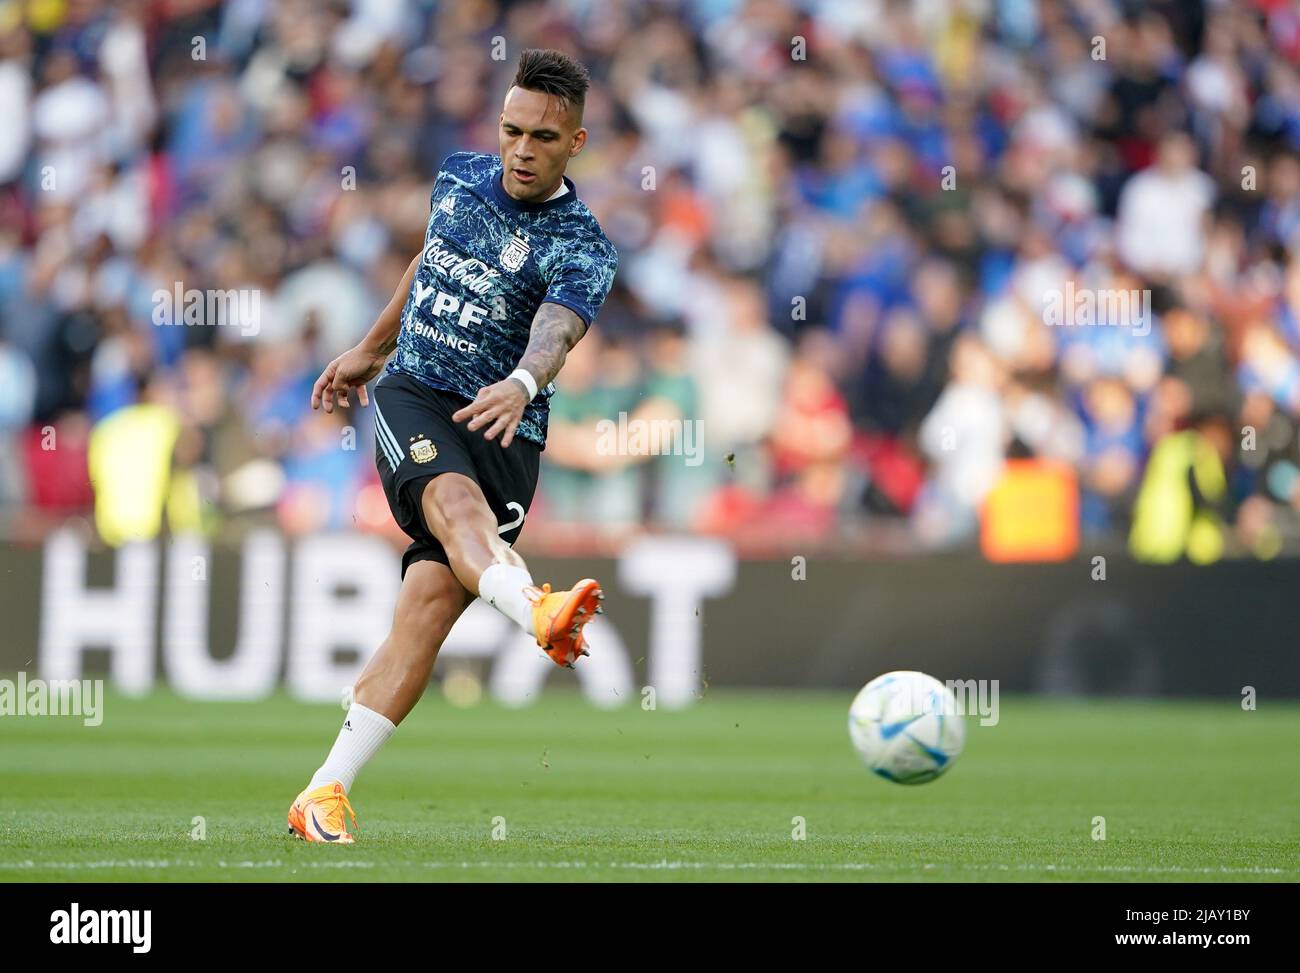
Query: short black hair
[[553, 73]]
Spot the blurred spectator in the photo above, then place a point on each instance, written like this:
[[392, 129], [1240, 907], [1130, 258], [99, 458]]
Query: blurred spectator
[[1162, 212], [964, 437], [682, 472], [589, 478], [133, 467], [739, 365], [17, 399], [1198, 365], [1112, 454], [1183, 502]]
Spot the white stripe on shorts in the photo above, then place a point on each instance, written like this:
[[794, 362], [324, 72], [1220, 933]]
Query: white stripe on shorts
[[387, 441]]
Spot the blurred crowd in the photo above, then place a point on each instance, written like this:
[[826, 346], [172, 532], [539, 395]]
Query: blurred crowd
[[839, 221]]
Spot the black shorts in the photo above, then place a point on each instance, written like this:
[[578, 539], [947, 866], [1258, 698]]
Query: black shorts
[[415, 440]]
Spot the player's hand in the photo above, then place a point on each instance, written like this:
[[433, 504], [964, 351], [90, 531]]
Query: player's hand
[[499, 407], [350, 370]]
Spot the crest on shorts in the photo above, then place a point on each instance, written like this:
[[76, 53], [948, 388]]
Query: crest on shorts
[[514, 253], [422, 450]]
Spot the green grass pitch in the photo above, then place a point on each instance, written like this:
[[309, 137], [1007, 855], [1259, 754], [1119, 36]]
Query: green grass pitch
[[1189, 792]]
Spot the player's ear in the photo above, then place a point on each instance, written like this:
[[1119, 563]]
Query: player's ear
[[579, 140]]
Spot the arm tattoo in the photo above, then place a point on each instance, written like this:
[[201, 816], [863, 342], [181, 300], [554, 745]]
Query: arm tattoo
[[388, 346], [555, 330]]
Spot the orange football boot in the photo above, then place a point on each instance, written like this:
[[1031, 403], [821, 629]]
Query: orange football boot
[[319, 815], [559, 617]]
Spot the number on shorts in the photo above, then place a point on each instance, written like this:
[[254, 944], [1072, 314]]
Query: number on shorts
[[512, 505]]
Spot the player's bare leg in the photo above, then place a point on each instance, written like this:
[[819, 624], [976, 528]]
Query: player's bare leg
[[428, 605], [458, 514]]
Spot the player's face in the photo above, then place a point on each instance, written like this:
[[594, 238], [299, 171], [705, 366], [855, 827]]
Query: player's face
[[538, 138]]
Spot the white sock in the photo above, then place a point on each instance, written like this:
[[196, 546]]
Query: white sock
[[364, 732], [503, 587]]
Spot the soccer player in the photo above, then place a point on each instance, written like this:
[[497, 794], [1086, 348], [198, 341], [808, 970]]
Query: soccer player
[[513, 270]]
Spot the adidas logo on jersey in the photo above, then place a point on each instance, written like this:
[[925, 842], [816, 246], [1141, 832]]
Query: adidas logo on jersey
[[448, 204]]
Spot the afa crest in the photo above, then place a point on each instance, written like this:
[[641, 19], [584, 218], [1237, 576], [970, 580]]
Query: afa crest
[[422, 451], [514, 253]]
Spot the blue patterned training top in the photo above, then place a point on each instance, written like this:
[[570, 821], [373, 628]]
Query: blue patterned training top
[[489, 262]]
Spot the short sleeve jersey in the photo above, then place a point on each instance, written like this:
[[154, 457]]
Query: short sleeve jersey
[[489, 261]]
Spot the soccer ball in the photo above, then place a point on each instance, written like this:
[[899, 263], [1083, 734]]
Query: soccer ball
[[905, 725]]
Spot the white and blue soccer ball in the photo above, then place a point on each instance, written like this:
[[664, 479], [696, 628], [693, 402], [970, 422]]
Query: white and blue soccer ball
[[907, 727]]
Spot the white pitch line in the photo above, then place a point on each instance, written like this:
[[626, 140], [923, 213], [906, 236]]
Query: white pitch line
[[662, 865]]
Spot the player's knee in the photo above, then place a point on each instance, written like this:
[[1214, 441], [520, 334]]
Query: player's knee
[[454, 504], [430, 613], [435, 602]]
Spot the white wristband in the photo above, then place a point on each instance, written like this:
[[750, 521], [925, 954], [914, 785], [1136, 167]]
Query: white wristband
[[526, 377]]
